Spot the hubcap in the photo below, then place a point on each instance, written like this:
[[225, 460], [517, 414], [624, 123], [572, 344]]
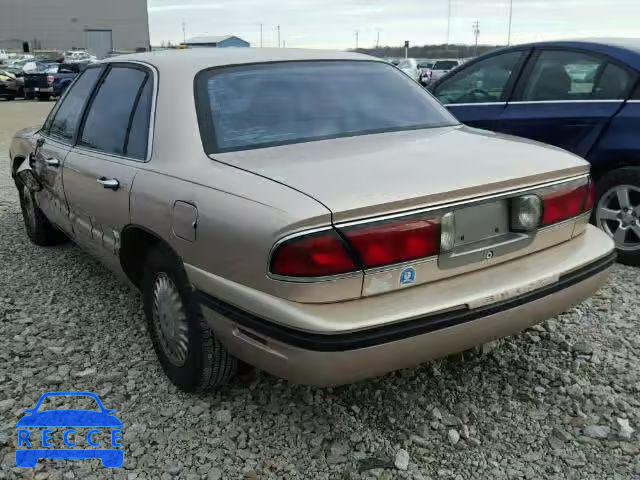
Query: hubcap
[[29, 209], [170, 320], [618, 214]]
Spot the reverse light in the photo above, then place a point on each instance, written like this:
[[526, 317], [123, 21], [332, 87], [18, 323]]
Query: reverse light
[[313, 255], [566, 202], [525, 213], [395, 241]]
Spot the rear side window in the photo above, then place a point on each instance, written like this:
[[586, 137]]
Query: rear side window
[[65, 119], [136, 145], [290, 102], [112, 111], [569, 75]]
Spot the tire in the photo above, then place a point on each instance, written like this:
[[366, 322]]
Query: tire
[[39, 230], [44, 97], [607, 200], [10, 98], [168, 294], [29, 96]]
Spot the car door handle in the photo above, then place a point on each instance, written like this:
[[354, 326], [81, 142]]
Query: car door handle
[[110, 183], [52, 162]]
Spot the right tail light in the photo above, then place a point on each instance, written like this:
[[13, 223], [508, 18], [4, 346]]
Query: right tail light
[[565, 202]]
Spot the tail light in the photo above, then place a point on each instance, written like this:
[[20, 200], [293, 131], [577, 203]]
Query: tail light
[[50, 79], [565, 202], [366, 246], [314, 255], [396, 241]]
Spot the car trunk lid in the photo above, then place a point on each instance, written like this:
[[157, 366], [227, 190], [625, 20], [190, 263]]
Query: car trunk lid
[[372, 175]]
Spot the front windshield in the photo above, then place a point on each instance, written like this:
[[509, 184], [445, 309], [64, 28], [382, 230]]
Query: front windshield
[[270, 104]]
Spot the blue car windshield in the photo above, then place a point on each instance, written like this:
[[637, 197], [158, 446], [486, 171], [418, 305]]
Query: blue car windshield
[[271, 104]]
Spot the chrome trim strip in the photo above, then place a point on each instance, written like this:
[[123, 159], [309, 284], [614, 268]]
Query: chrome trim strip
[[471, 104], [469, 202], [534, 102], [633, 101]]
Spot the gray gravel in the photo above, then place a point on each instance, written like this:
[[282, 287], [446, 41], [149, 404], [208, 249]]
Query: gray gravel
[[560, 401]]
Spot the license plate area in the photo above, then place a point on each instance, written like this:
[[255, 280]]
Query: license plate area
[[481, 222], [482, 234]]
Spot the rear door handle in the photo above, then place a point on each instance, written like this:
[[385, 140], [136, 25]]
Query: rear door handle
[[110, 183], [52, 162]]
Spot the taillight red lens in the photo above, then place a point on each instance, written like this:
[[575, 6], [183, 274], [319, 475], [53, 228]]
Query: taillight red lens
[[315, 255], [50, 79], [395, 242], [565, 203]]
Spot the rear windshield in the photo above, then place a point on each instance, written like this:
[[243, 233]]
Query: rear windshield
[[262, 105], [445, 65]]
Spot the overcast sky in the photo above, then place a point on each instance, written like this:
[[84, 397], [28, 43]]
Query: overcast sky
[[332, 23]]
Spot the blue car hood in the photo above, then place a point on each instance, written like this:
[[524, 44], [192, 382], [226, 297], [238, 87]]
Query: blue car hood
[[69, 418]]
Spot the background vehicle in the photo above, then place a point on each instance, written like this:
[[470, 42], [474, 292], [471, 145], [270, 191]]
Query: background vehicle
[[582, 96], [410, 67], [4, 56], [78, 56], [10, 85], [442, 67], [306, 235], [52, 81]]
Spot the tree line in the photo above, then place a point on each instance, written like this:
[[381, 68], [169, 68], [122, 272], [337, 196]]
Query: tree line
[[430, 51]]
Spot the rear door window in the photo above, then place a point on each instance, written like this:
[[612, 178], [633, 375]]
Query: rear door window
[[570, 75], [63, 121], [111, 114]]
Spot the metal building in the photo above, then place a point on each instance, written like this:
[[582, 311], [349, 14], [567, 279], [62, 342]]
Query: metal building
[[100, 26], [217, 41]]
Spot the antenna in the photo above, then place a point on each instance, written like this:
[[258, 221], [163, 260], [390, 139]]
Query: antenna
[[510, 22]]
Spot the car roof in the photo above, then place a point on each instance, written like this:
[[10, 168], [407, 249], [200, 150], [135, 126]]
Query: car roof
[[625, 50], [193, 60]]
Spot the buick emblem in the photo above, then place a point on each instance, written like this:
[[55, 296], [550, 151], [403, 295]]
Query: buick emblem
[[488, 255]]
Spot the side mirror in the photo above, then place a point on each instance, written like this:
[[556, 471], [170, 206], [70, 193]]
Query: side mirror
[[40, 142]]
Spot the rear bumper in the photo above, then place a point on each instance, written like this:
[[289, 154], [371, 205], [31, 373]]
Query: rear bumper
[[337, 357]]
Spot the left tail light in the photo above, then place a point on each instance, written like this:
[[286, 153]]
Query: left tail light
[[357, 247], [50, 79], [314, 255], [386, 243], [567, 201]]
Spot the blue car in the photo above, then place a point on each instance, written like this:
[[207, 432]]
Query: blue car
[[28, 452], [582, 96]]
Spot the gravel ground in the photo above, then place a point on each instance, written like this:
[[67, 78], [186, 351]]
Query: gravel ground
[[560, 401]]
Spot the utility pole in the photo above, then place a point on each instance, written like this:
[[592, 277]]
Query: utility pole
[[357, 34], [510, 21], [378, 38], [278, 28], [284, 44], [449, 25], [184, 32], [476, 33], [260, 35]]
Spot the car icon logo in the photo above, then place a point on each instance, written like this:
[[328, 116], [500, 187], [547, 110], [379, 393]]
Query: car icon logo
[[40, 431]]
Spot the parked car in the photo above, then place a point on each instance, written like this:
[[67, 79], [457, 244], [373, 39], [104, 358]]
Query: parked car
[[10, 85], [52, 81], [442, 67], [74, 56], [4, 56], [307, 235], [582, 96], [410, 67]]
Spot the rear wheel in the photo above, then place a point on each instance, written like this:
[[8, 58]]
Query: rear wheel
[[617, 211], [191, 356], [29, 96]]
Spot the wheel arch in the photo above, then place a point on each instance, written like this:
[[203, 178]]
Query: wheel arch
[[16, 161], [135, 243]]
